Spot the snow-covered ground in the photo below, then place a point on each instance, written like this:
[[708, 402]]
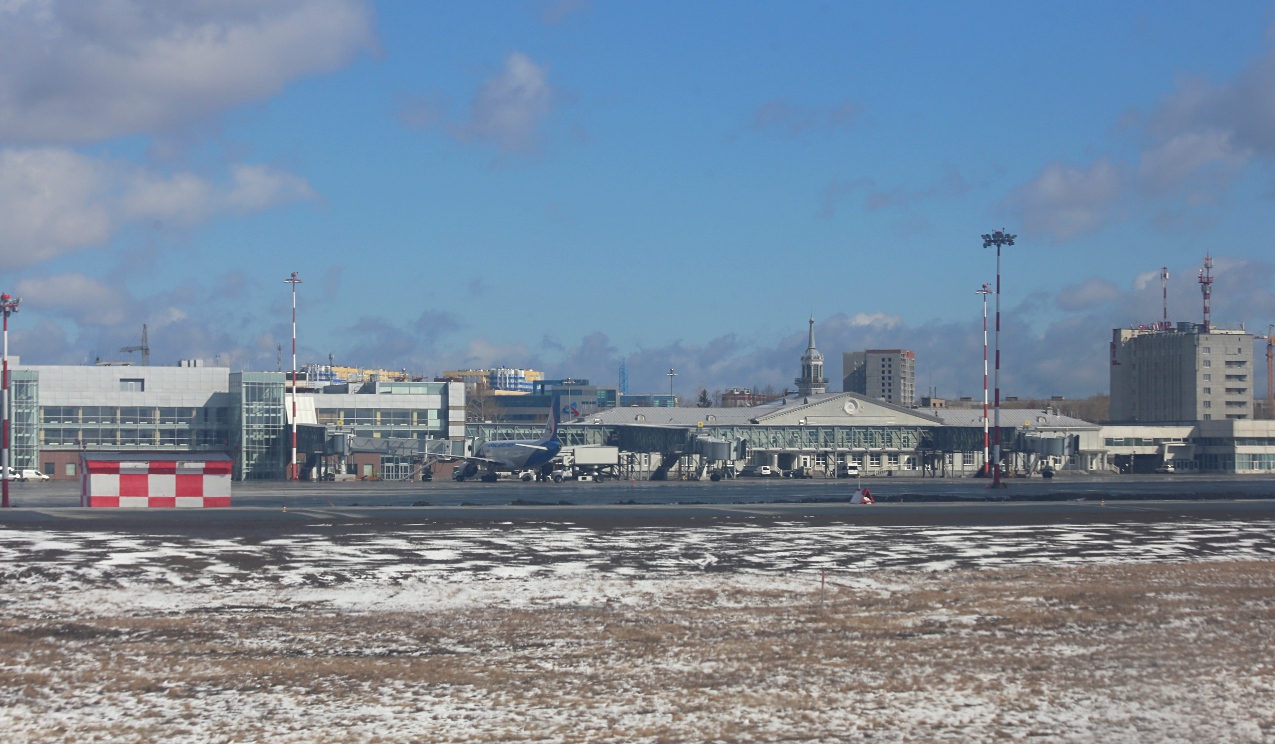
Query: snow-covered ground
[[1151, 632]]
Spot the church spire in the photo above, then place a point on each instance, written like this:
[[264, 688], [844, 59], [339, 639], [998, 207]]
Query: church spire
[[812, 381]]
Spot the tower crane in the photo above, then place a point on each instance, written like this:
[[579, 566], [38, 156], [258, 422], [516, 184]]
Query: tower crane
[[144, 348]]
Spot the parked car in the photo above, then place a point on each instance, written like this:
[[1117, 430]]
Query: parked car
[[1166, 468], [764, 471]]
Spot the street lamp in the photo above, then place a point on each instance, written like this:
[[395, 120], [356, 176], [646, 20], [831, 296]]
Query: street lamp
[[294, 280], [8, 306], [999, 239], [985, 291]]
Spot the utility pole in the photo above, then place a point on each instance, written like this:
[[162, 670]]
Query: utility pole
[[294, 280], [8, 306], [985, 291], [999, 239]]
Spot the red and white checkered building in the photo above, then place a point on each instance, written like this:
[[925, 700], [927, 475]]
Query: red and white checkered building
[[114, 479]]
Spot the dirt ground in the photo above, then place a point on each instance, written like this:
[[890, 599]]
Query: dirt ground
[[1133, 652]]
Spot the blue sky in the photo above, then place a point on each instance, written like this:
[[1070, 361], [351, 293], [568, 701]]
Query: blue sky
[[564, 184]]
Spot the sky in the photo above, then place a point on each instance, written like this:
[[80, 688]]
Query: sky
[[563, 184]]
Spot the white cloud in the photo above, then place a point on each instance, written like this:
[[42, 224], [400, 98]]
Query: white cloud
[[1064, 201], [1196, 142], [876, 320], [54, 201], [509, 107], [77, 71], [1089, 293], [84, 299]]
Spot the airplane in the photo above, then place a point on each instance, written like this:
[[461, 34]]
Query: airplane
[[515, 455]]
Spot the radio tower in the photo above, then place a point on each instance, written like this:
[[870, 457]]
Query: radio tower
[[1206, 286]]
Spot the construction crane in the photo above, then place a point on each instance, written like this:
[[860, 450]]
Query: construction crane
[[144, 348]]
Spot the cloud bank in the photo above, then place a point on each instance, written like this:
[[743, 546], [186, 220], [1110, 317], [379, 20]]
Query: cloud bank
[[81, 71]]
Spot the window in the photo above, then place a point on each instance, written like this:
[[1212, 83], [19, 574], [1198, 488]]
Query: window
[[1208, 391], [70, 469], [132, 385], [1208, 362], [1207, 350], [874, 460], [1208, 417], [1208, 404], [1208, 377]]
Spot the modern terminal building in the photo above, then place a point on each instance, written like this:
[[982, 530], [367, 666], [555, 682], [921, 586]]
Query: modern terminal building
[[60, 411]]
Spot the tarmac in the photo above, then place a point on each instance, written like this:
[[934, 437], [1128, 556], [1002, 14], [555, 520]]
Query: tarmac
[[273, 506]]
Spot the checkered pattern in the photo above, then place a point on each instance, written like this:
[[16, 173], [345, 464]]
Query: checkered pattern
[[155, 483]]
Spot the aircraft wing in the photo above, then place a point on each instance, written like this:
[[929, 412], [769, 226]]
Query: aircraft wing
[[475, 458]]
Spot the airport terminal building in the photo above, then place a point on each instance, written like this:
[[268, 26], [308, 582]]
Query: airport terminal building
[[59, 411]]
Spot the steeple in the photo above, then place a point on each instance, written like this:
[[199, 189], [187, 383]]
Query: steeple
[[812, 381]]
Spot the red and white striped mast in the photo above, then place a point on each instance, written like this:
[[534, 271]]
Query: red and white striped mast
[[999, 239], [1206, 287], [294, 280], [985, 291], [8, 306]]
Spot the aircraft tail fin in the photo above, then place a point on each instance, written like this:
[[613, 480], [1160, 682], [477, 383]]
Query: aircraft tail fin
[[555, 417]]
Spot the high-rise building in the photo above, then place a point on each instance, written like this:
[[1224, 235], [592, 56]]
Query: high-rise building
[[1180, 375], [885, 374]]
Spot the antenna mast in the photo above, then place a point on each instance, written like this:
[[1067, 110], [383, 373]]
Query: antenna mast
[[1206, 287], [1164, 298]]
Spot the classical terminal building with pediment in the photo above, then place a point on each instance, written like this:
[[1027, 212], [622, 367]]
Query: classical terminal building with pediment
[[819, 433]]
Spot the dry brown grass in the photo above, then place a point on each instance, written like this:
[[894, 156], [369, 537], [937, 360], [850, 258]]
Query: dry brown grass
[[1149, 651]]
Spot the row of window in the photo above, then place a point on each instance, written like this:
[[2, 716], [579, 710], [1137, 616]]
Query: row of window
[[378, 417], [1201, 441], [133, 415], [131, 437]]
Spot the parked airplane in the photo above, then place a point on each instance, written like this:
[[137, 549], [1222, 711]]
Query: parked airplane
[[514, 455]]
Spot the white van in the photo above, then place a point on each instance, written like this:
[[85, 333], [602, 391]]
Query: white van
[[32, 475]]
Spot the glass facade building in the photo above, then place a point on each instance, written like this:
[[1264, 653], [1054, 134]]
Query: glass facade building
[[258, 445], [60, 411]]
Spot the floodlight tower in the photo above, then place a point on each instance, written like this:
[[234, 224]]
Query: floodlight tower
[[8, 306], [294, 280], [1206, 286], [1000, 238], [985, 291], [670, 374]]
